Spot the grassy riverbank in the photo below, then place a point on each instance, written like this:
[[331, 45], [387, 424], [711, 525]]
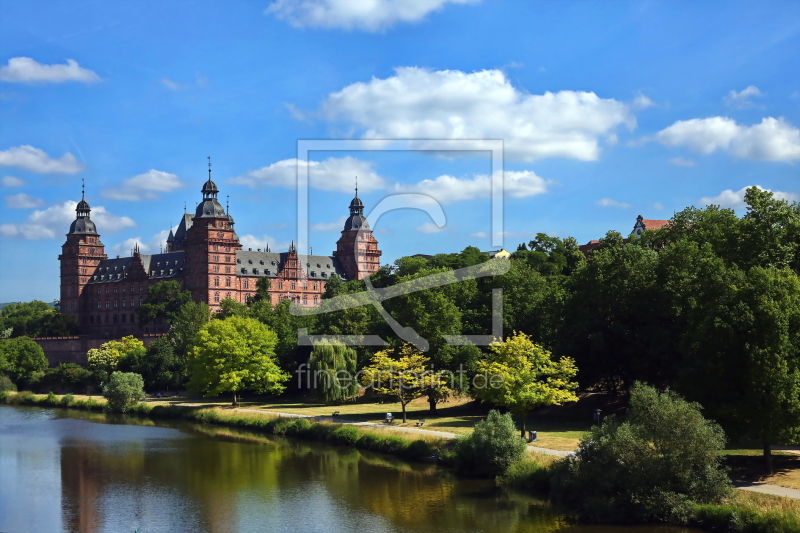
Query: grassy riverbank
[[742, 512], [421, 447]]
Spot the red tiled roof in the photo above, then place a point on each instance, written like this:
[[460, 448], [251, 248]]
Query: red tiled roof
[[589, 246], [654, 224]]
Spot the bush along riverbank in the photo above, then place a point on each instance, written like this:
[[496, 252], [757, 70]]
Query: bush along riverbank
[[421, 449], [539, 474]]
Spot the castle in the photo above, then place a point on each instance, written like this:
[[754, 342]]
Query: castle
[[205, 256]]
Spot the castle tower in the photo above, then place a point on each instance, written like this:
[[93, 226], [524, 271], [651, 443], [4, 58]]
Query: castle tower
[[211, 245], [357, 249], [80, 255]]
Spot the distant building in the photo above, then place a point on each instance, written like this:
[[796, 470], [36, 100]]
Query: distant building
[[502, 253], [205, 256], [638, 228]]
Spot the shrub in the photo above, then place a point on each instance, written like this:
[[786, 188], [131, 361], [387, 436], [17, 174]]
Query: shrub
[[419, 449], [491, 448], [651, 467], [528, 475], [6, 385], [50, 399], [345, 435], [67, 400], [123, 390]]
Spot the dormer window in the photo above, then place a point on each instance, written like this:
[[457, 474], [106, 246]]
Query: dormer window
[[250, 261], [318, 265], [262, 262], [328, 266], [238, 260]]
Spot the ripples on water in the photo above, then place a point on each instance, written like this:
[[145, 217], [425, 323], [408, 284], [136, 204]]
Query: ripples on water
[[76, 471]]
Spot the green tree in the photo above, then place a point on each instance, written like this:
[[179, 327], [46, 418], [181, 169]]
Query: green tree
[[333, 370], [22, 358], [232, 355], [262, 292], [743, 354], [123, 391], [491, 448], [403, 375], [521, 376], [650, 467], [158, 365], [35, 319], [104, 360], [163, 303], [230, 307], [186, 324]]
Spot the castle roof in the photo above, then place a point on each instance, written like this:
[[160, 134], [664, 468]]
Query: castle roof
[[260, 264]]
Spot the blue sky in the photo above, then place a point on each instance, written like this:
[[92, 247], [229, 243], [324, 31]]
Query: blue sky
[[606, 110]]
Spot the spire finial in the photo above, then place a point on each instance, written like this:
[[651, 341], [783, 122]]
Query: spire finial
[[184, 207], [227, 207], [83, 188], [209, 167], [356, 186]]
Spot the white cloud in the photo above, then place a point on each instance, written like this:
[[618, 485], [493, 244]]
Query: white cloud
[[23, 201], [147, 186], [479, 235], [155, 244], [171, 85], [369, 15], [449, 189], [731, 199], [337, 225], [642, 102], [27, 70], [682, 162], [608, 202], [658, 206], [251, 241], [37, 160], [54, 222], [333, 174], [771, 140], [429, 227], [417, 103], [741, 99], [11, 181]]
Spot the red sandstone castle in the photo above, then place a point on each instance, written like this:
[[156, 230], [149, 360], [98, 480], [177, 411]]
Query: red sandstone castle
[[204, 256]]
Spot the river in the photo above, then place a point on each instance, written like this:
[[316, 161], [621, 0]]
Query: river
[[75, 471]]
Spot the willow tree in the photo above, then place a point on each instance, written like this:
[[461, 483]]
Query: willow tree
[[333, 368], [521, 376]]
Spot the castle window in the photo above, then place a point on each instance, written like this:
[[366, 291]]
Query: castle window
[[116, 289], [123, 289], [266, 272], [293, 285], [255, 271], [246, 284], [108, 304], [328, 266], [280, 285], [216, 268], [318, 265], [141, 289], [216, 297], [216, 248], [116, 304], [313, 274], [316, 286], [227, 248], [72, 306], [123, 303], [250, 261], [227, 282], [227, 270], [106, 290], [316, 300], [324, 274], [220, 235], [216, 282], [244, 271], [133, 304], [305, 300], [158, 264], [171, 271], [98, 305], [141, 301], [216, 258], [238, 260], [227, 295], [262, 262], [305, 285], [98, 290]]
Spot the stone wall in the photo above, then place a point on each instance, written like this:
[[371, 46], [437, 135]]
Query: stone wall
[[73, 349]]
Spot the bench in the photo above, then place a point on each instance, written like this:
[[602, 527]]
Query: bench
[[420, 423], [335, 413]]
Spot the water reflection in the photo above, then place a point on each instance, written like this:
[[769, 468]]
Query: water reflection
[[152, 476]]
